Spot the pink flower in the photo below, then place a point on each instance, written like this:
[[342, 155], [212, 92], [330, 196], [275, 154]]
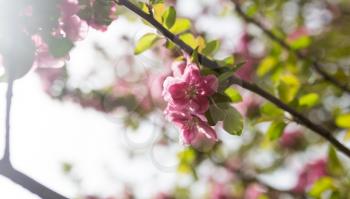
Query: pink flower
[[192, 127], [178, 68], [290, 139], [43, 58], [190, 90], [254, 191], [309, 174], [72, 25], [187, 95]]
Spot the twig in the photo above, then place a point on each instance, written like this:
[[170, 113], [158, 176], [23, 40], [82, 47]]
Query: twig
[[6, 168], [318, 129], [315, 65]]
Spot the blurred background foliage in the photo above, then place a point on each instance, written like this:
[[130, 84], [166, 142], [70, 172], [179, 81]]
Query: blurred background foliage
[[273, 146]]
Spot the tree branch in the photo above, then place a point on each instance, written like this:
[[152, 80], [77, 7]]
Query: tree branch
[[6, 156], [315, 65], [6, 168], [318, 129]]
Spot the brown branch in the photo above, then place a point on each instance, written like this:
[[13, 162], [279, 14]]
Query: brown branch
[[318, 129], [315, 65], [11, 173]]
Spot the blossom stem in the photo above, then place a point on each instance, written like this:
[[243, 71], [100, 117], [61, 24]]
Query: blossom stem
[[318, 129]]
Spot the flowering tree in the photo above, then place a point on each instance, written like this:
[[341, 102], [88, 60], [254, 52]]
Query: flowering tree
[[283, 88]]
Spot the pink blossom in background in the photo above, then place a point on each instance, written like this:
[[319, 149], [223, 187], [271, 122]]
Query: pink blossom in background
[[299, 32], [250, 102], [74, 28], [254, 191], [246, 71], [291, 138], [220, 191], [309, 174], [49, 76], [43, 58]]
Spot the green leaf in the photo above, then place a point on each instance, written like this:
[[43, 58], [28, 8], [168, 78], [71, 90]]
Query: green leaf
[[189, 39], [156, 1], [275, 130], [211, 47], [343, 120], [233, 122], [180, 26], [233, 94], [287, 87], [226, 75], [60, 47], [270, 109], [333, 163], [266, 65], [146, 42], [169, 17], [309, 100], [300, 43], [227, 62], [321, 185]]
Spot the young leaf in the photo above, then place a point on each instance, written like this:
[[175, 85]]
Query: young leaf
[[343, 121], [60, 47], [233, 94], [287, 87], [189, 39], [180, 26], [211, 47], [276, 130], [266, 65], [309, 100], [233, 122], [333, 163], [169, 17], [321, 185], [146, 42]]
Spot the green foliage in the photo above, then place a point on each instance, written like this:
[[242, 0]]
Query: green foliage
[[60, 47], [334, 165], [320, 186], [300, 43], [343, 120], [211, 47], [180, 26], [146, 42], [275, 130], [231, 118], [233, 94], [169, 17], [266, 65], [309, 100], [288, 87]]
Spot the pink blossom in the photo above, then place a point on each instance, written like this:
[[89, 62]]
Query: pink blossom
[[309, 174], [254, 191], [192, 127], [247, 70], [178, 68], [74, 28], [190, 90], [187, 95], [43, 58], [290, 139]]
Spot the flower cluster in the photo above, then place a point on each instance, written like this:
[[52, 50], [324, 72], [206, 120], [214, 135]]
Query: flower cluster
[[186, 93]]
